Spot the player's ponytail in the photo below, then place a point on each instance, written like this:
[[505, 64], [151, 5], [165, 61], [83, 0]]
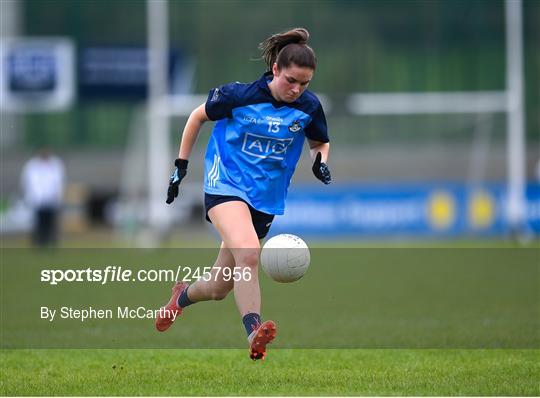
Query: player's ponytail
[[288, 48]]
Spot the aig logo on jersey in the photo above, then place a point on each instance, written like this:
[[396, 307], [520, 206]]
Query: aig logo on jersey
[[265, 147], [295, 127]]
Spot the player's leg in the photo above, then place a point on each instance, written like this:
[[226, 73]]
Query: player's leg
[[233, 220], [184, 295], [234, 224], [219, 285]]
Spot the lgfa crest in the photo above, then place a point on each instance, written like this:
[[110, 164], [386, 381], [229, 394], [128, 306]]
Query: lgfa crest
[[295, 127]]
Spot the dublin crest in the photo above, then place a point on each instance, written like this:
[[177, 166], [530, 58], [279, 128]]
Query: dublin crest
[[295, 127]]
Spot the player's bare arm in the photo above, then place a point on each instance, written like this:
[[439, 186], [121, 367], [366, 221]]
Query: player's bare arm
[[316, 147], [191, 131]]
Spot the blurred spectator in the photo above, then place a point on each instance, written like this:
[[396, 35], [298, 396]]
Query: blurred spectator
[[43, 186]]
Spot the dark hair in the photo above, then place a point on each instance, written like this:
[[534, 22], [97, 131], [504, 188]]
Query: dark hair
[[288, 48]]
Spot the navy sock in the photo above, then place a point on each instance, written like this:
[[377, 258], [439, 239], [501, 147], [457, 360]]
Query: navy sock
[[183, 299], [251, 322]]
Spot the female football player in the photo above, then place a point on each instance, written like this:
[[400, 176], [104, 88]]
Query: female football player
[[250, 159]]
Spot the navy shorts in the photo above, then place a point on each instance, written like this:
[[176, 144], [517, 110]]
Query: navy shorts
[[261, 221]]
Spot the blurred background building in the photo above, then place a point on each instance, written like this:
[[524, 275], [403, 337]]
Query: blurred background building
[[75, 78]]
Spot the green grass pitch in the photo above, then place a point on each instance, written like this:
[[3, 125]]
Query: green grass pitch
[[357, 313], [285, 372]]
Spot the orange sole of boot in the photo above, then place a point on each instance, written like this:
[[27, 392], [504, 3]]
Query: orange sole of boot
[[265, 334]]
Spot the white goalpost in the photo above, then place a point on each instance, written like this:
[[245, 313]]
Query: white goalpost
[[515, 120], [159, 124]]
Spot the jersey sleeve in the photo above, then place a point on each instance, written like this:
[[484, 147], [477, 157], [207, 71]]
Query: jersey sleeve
[[220, 103], [317, 130]]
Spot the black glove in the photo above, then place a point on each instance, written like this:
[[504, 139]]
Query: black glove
[[176, 178], [321, 170]]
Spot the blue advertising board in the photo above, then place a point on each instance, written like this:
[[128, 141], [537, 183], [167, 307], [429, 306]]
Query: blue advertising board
[[32, 70], [37, 74], [119, 72], [380, 210]]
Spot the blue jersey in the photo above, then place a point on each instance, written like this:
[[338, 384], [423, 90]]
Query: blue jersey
[[257, 141]]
